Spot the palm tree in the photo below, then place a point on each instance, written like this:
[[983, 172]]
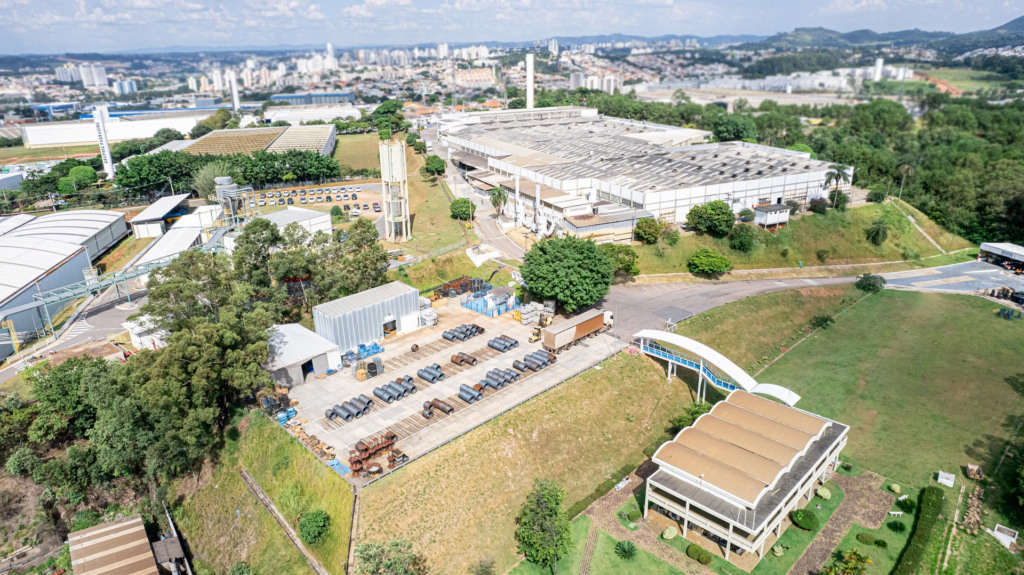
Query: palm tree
[[499, 196], [878, 232], [836, 176], [904, 170]]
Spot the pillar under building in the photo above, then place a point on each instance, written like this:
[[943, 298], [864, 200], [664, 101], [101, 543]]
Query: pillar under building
[[394, 197], [529, 81]]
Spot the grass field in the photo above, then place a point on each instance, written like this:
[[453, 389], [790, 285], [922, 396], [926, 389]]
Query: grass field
[[968, 80], [946, 240], [842, 234], [435, 271], [359, 151], [119, 256], [433, 228], [606, 562], [883, 559], [569, 564], [458, 504], [21, 155], [767, 323], [223, 523]]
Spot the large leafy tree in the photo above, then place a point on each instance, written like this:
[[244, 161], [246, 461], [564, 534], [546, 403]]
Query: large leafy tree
[[60, 390], [251, 257], [735, 127], [543, 530], [623, 257], [715, 218], [499, 197], [462, 209], [569, 270], [435, 165]]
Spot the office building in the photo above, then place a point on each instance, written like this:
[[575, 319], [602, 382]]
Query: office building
[[93, 76], [553, 47], [68, 73], [123, 87]]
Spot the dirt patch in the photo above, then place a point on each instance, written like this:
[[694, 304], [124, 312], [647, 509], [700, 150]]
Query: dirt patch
[[90, 348], [189, 486], [243, 425]]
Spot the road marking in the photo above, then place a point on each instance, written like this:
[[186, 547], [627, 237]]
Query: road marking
[[812, 282], [912, 274], [781, 283], [943, 281], [78, 329]]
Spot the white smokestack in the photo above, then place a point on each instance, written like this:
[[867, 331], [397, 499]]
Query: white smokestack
[[529, 81], [234, 90]]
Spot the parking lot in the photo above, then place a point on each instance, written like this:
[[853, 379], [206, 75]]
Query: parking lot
[[970, 277], [416, 434], [357, 199]]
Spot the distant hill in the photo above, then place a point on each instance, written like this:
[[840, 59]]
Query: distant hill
[[825, 38], [1010, 33]]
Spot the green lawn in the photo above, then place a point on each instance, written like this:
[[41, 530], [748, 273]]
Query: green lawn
[[795, 540], [606, 562], [968, 80], [431, 272], [359, 151], [921, 378], [119, 256], [569, 564], [22, 154], [223, 522], [841, 234], [432, 225]]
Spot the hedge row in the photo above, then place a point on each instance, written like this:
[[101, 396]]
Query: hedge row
[[601, 489], [927, 518]]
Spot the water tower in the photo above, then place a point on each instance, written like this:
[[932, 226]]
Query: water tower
[[394, 196]]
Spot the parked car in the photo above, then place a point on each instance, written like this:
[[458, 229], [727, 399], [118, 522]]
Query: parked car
[[263, 202], [359, 188], [376, 207], [354, 213], [302, 192], [354, 197], [337, 197], [277, 195], [295, 192], [290, 201], [328, 199], [302, 200], [319, 199], [346, 207], [252, 204], [366, 206], [345, 196]]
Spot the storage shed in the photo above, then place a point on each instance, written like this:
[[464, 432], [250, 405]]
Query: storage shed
[[296, 352], [771, 215], [1002, 252], [119, 547], [154, 220], [311, 220], [365, 317]]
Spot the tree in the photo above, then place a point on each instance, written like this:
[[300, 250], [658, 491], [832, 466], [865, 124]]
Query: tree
[[715, 218], [870, 283], [23, 462], [313, 525], [732, 127], [499, 197], [336, 212], [623, 257], [411, 137], [164, 135], [742, 237], [384, 133], [819, 206], [648, 230], [836, 176], [689, 415], [709, 262], [199, 130], [878, 232], [839, 199], [203, 178], [83, 176], [543, 530], [419, 146], [462, 209], [61, 392], [822, 321], [570, 270], [435, 165], [252, 252], [394, 558]]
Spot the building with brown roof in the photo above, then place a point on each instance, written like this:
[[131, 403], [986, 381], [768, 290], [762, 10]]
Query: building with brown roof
[[737, 472], [120, 547]]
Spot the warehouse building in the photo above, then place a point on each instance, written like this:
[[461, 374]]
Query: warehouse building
[[311, 113], [731, 479], [296, 353], [119, 547], [96, 230], [310, 220], [308, 98], [33, 265], [158, 216], [576, 159], [1002, 253], [368, 316], [119, 128]]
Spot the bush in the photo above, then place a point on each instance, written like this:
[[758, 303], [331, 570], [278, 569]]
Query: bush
[[669, 533], [819, 205], [906, 505], [715, 218], [784, 252], [822, 321], [22, 462], [693, 551], [805, 519], [742, 237], [706, 558], [870, 283], [838, 199], [895, 488], [241, 568], [671, 236], [866, 538], [708, 261], [896, 526], [881, 543], [910, 254], [462, 209], [822, 255], [931, 507], [794, 206], [633, 515], [647, 230], [746, 214], [625, 550], [313, 525], [823, 493], [336, 212], [877, 196]]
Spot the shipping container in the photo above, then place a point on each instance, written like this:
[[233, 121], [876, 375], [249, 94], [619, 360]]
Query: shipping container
[[587, 324]]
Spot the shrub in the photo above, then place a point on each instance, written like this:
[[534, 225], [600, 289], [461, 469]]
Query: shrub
[[633, 515], [784, 252], [313, 525], [462, 209], [336, 212], [881, 543], [877, 196], [794, 206], [715, 218], [778, 551], [931, 506], [708, 261], [742, 237], [241, 568], [822, 255], [896, 526], [870, 283], [625, 550], [822, 321], [694, 551], [839, 200], [671, 236], [866, 538], [819, 205], [647, 230], [706, 557], [907, 505], [669, 533], [746, 214], [910, 254], [894, 488], [22, 462], [823, 493], [805, 519]]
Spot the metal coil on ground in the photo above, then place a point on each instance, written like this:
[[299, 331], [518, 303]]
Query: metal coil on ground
[[329, 414], [426, 375], [427, 414], [443, 406], [344, 414], [368, 401], [467, 397]]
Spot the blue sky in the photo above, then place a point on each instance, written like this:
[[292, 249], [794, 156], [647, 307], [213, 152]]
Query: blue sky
[[50, 26]]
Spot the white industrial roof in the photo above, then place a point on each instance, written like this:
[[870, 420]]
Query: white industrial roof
[[76, 226], [292, 215], [23, 260], [9, 223], [160, 208], [291, 343], [366, 298], [1004, 249], [172, 243], [172, 146]]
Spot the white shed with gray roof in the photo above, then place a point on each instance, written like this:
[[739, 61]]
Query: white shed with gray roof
[[364, 317], [296, 353], [151, 222], [311, 220]]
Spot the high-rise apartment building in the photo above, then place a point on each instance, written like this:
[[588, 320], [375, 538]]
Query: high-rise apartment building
[[553, 47], [68, 73], [93, 76], [122, 87]]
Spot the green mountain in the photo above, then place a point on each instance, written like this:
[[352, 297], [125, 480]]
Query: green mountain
[[1010, 33], [824, 38]]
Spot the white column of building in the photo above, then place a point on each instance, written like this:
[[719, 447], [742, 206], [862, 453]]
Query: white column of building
[[529, 81], [728, 542]]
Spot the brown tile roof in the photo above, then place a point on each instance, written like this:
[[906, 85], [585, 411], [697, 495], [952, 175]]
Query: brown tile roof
[[116, 548]]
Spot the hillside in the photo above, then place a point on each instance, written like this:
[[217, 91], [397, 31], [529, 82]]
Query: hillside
[[825, 38], [1009, 33]]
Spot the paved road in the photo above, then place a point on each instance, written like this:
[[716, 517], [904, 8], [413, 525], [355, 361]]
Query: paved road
[[968, 277], [639, 307]]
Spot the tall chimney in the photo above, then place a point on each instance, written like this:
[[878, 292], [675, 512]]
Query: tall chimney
[[233, 80], [529, 81]]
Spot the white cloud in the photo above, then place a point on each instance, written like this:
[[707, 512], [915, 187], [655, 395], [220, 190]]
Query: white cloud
[[853, 6]]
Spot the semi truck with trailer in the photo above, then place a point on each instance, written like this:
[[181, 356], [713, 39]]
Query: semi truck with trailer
[[563, 335]]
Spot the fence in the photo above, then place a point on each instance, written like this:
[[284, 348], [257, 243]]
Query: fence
[[481, 305]]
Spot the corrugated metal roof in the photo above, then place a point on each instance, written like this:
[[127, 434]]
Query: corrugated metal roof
[[120, 547], [160, 208], [292, 215], [362, 299], [77, 226], [23, 260], [1005, 247], [173, 242], [291, 343], [9, 223]]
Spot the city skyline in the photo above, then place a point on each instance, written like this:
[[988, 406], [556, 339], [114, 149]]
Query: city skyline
[[110, 26]]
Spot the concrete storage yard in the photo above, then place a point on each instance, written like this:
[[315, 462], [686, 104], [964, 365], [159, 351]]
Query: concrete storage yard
[[416, 434]]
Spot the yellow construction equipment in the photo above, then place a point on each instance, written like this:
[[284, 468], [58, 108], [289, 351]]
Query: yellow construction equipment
[[545, 319], [535, 335]]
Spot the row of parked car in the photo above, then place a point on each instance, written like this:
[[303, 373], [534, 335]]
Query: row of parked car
[[316, 196]]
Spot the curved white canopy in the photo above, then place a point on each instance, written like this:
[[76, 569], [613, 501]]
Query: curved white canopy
[[723, 364]]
